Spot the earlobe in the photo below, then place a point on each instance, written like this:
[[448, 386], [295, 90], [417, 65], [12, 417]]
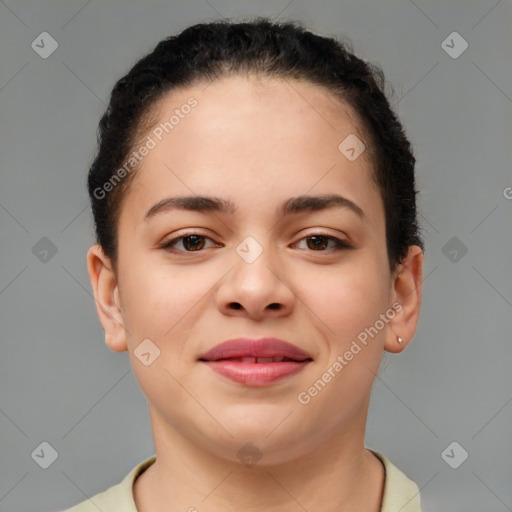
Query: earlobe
[[406, 291], [106, 294]]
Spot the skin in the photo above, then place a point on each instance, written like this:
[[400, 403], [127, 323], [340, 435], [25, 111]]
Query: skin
[[256, 142]]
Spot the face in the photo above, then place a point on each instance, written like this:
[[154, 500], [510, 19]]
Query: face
[[189, 279]]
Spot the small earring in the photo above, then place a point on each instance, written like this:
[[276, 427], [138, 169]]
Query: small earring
[[399, 339]]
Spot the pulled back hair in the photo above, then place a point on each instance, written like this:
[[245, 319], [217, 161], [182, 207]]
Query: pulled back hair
[[209, 51]]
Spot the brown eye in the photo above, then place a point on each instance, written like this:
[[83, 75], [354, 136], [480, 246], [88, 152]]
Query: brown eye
[[190, 243], [320, 243], [193, 242], [317, 242]]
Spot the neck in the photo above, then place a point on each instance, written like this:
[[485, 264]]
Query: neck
[[338, 475]]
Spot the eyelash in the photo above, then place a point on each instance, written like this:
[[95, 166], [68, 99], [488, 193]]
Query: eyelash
[[339, 244]]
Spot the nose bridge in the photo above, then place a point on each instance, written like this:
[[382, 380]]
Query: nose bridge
[[250, 250], [255, 261]]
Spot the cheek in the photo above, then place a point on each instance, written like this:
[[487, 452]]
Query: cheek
[[348, 298], [156, 298]]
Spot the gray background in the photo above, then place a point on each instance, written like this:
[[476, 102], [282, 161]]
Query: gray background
[[60, 383]]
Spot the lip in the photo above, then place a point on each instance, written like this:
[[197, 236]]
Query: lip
[[237, 359]]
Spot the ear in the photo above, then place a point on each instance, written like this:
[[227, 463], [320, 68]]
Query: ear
[[106, 294], [406, 289]]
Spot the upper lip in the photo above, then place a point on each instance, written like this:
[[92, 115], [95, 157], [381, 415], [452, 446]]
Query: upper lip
[[261, 347]]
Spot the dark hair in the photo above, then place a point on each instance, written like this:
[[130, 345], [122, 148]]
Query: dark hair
[[208, 51]]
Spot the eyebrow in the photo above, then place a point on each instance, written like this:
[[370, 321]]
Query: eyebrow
[[292, 206]]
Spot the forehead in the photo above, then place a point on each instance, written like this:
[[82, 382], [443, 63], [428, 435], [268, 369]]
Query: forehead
[[303, 111], [247, 136]]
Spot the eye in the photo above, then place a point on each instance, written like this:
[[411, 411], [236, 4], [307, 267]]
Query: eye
[[318, 242], [192, 242]]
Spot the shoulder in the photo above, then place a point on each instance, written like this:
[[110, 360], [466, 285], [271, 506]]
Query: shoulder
[[118, 498], [400, 493]]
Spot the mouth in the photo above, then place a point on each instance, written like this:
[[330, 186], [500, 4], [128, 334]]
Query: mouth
[[256, 362]]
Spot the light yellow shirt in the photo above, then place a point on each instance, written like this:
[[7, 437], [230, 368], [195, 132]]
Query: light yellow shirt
[[400, 493]]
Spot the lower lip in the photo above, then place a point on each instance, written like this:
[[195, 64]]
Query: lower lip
[[256, 374]]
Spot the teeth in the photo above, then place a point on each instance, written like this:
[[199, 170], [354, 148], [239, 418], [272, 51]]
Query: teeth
[[264, 359], [250, 359]]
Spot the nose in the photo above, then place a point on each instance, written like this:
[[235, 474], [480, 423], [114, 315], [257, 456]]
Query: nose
[[256, 288]]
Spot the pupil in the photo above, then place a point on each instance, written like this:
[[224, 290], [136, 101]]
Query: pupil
[[318, 239], [196, 238]]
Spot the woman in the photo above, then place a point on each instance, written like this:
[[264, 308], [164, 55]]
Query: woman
[[257, 252]]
